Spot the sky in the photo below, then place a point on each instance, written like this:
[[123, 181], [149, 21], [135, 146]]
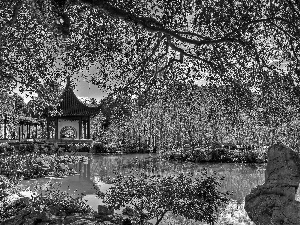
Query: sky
[[83, 89]]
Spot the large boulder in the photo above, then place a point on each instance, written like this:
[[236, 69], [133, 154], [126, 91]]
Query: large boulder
[[274, 202]]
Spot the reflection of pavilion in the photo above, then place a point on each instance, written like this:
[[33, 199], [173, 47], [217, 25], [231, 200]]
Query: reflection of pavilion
[[84, 169], [81, 184], [95, 171], [76, 185]]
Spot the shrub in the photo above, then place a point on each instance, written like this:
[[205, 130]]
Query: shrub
[[130, 147], [99, 147], [154, 196], [5, 183], [218, 154], [60, 203], [199, 155], [78, 147], [55, 202], [84, 147], [262, 157], [210, 154], [35, 166], [251, 156], [144, 148], [11, 209], [71, 148], [6, 148], [26, 148]]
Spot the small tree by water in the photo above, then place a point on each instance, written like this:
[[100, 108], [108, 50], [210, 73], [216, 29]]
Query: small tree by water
[[153, 196]]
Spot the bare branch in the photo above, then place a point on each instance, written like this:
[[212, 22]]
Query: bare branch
[[161, 217], [283, 31], [192, 34]]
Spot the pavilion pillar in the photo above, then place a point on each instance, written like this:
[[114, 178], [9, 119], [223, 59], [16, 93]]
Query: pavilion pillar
[[47, 128], [19, 132], [88, 128], [28, 130], [5, 127], [80, 128], [22, 131], [36, 130], [84, 129], [43, 127], [56, 128]]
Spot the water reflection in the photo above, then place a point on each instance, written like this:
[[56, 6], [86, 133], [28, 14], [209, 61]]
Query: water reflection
[[98, 171], [238, 178]]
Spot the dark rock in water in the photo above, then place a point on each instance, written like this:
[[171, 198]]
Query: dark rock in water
[[126, 222], [274, 202]]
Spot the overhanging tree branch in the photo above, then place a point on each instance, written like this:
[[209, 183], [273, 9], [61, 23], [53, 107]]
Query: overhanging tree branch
[[184, 53], [142, 65], [14, 16], [153, 25]]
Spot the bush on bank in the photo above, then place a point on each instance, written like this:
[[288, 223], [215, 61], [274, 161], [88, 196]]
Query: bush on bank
[[210, 154], [42, 208], [33, 166], [152, 197], [17, 209]]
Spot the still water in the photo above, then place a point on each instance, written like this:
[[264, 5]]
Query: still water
[[99, 170]]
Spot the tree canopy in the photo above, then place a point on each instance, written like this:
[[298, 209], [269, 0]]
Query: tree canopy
[[145, 45]]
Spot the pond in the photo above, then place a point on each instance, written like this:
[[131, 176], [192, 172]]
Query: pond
[[98, 171]]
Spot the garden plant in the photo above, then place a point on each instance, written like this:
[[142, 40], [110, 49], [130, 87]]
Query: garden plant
[[152, 197]]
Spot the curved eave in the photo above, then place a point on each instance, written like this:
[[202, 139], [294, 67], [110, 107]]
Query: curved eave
[[90, 111], [71, 105]]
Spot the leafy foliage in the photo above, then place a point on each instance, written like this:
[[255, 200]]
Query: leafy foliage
[[33, 165], [200, 116], [154, 196], [61, 203], [5, 184], [52, 202], [97, 126], [146, 45], [219, 155]]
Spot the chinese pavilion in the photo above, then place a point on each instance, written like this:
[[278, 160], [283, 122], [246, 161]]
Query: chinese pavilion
[[73, 123]]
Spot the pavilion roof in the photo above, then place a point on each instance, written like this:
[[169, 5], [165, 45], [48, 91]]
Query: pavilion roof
[[72, 106], [21, 119]]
